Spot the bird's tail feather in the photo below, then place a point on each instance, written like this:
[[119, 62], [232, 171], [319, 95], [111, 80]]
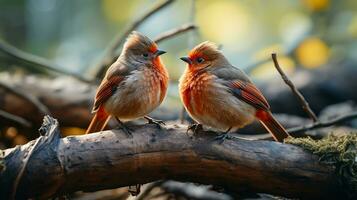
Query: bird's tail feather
[[99, 121], [273, 126]]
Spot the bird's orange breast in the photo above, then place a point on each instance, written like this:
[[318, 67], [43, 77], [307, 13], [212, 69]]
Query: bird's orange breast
[[194, 90], [162, 75]]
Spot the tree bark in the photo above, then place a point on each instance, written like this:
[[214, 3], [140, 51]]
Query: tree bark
[[111, 159]]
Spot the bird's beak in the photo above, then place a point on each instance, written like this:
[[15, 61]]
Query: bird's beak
[[187, 60], [159, 53]]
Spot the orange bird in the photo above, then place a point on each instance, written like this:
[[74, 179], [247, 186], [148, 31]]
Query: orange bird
[[133, 86], [218, 95]]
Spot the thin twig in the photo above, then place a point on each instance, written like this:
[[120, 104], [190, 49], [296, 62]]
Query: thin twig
[[171, 33], [35, 60], [300, 129], [110, 53], [28, 97], [334, 121], [15, 118], [303, 102]]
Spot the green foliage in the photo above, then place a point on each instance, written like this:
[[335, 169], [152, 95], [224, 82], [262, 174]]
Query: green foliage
[[339, 151]]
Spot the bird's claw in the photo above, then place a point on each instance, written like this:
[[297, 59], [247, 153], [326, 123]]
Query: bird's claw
[[195, 128], [134, 190], [155, 121], [223, 137], [124, 128], [127, 130]]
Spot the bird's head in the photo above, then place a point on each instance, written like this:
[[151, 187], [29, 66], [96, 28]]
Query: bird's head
[[204, 56], [140, 49]]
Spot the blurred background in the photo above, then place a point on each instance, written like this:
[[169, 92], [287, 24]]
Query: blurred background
[[73, 34], [315, 41], [51, 53]]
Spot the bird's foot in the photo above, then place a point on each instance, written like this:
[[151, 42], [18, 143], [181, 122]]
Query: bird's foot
[[225, 135], [154, 121], [134, 190], [128, 131], [124, 128], [195, 128]]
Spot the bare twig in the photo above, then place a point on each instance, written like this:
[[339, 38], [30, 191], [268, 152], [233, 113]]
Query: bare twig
[[110, 53], [35, 60], [334, 121], [303, 102], [14, 118], [27, 96], [296, 132], [171, 33]]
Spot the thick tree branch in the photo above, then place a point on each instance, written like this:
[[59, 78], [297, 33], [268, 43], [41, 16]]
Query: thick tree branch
[[109, 159]]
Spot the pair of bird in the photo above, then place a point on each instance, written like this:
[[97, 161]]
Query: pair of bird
[[214, 92]]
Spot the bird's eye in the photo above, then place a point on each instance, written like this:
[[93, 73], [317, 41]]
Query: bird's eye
[[146, 55], [200, 60]]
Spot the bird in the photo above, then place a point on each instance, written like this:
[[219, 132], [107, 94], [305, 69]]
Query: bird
[[218, 95], [133, 86]]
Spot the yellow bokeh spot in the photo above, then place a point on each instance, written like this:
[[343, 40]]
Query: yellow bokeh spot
[[317, 5], [267, 70], [312, 53], [224, 21], [114, 9]]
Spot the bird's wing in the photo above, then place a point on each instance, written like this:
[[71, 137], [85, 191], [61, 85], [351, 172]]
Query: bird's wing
[[248, 93], [114, 76], [241, 87]]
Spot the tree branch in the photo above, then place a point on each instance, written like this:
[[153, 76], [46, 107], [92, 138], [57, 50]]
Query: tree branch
[[95, 161], [303, 102], [297, 131], [27, 97], [5, 116], [171, 33], [35, 60]]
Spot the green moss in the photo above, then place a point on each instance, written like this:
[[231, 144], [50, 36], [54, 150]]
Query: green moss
[[339, 151]]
